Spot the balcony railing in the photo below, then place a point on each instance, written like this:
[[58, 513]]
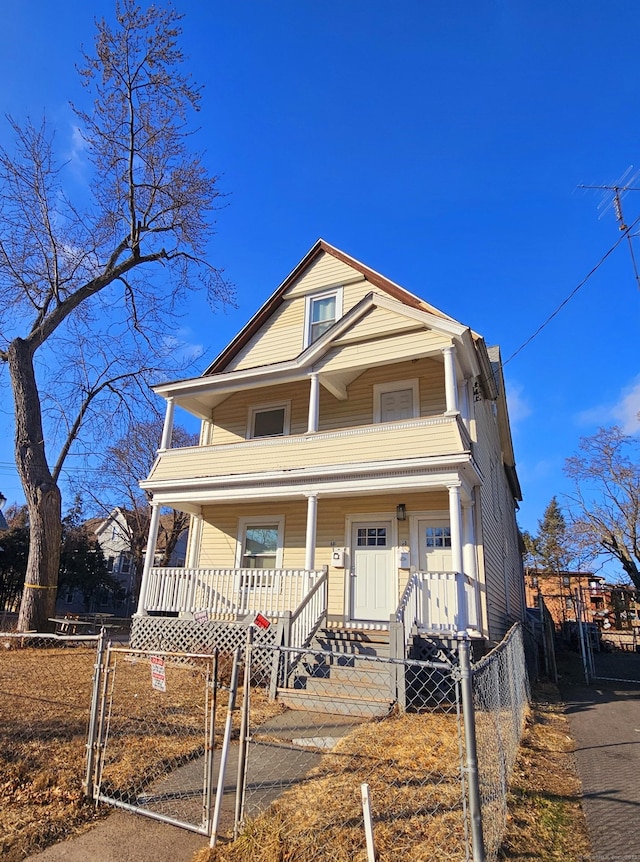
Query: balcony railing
[[228, 594], [417, 438]]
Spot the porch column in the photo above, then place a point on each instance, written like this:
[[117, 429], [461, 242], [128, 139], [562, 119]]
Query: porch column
[[195, 534], [455, 521], [469, 556], [149, 556], [314, 404], [312, 519], [450, 383], [167, 430]]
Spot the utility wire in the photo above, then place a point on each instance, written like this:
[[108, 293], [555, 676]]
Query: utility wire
[[621, 238]]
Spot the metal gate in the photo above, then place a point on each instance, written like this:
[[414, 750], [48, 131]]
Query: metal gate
[[151, 734], [596, 664]]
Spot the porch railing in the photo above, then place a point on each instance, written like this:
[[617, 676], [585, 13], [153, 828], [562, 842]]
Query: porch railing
[[228, 594], [437, 603]]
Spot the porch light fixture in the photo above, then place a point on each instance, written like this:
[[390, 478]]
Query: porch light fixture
[[401, 512]]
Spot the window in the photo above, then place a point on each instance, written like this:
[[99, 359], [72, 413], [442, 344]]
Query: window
[[321, 312], [438, 537], [396, 400], [371, 537], [271, 420], [125, 563], [260, 543], [566, 581]]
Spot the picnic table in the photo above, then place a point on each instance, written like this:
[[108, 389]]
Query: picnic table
[[71, 625]]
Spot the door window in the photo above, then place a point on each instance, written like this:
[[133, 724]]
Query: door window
[[371, 537]]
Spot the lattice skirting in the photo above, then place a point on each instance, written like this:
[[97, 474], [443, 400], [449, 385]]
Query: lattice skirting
[[188, 636]]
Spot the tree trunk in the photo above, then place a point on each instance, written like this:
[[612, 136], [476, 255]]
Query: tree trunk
[[41, 492]]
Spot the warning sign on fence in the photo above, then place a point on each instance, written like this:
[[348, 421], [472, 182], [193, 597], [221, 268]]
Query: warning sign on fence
[[261, 621], [158, 677]]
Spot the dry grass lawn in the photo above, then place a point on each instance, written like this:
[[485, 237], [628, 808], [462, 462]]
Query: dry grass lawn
[[546, 821], [45, 695]]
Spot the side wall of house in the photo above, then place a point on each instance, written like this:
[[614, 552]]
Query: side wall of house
[[498, 531]]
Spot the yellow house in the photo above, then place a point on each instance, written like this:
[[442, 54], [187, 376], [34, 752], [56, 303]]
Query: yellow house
[[355, 469]]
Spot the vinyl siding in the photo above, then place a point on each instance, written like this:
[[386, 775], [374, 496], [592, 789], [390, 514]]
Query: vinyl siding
[[325, 272], [500, 555], [377, 351], [377, 322]]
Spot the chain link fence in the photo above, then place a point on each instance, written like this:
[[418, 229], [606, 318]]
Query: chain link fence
[[272, 746], [500, 701]]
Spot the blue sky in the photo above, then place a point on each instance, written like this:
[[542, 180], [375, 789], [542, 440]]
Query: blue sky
[[441, 145]]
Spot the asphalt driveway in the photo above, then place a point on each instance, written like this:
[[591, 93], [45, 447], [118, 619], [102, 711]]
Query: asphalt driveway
[[605, 723]]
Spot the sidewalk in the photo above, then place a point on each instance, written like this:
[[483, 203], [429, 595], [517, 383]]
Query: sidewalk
[[127, 837], [605, 724]]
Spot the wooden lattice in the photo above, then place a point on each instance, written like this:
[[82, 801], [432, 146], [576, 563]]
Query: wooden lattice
[[182, 635]]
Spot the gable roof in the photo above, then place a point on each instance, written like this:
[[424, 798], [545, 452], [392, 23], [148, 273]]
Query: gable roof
[[321, 247]]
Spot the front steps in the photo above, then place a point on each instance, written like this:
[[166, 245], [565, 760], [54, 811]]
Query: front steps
[[339, 675]]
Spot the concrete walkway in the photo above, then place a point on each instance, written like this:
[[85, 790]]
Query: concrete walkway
[[293, 740], [605, 723]]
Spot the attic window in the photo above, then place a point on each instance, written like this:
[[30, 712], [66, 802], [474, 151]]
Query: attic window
[[321, 312]]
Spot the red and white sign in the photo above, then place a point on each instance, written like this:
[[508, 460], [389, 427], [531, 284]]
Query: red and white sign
[[158, 676], [261, 621]]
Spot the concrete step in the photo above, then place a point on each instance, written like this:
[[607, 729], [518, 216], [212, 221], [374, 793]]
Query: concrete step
[[362, 707], [378, 689], [353, 641]]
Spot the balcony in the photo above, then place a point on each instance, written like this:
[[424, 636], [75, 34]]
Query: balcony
[[397, 443]]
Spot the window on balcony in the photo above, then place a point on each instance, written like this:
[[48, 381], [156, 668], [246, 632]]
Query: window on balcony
[[269, 421], [321, 312], [396, 400]]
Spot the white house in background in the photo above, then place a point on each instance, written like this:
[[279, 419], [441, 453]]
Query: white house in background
[[355, 469], [113, 535]]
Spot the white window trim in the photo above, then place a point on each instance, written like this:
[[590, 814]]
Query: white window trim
[[380, 388], [338, 292], [266, 521], [261, 408]]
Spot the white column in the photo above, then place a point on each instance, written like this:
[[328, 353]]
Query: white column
[[195, 535], [149, 556], [312, 518], [167, 431], [455, 521], [470, 561], [314, 404], [450, 383]]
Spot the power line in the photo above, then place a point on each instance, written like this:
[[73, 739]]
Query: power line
[[622, 238]]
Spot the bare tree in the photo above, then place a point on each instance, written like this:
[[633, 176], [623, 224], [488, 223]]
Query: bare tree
[[605, 502], [123, 466], [76, 302]]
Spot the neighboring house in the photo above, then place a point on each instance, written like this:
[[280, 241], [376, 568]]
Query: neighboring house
[[561, 590], [113, 535], [355, 450]]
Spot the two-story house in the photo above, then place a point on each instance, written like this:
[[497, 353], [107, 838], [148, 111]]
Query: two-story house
[[356, 456]]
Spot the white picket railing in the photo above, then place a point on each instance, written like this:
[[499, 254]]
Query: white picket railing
[[227, 594]]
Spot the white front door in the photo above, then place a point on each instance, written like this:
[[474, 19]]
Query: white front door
[[434, 546], [373, 591]]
